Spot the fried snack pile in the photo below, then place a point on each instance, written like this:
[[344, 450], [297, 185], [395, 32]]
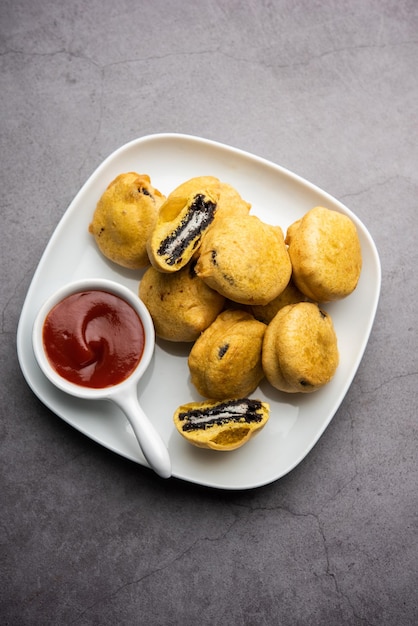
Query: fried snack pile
[[300, 351], [225, 361], [247, 298], [181, 223], [244, 259], [124, 219], [181, 305], [325, 252], [224, 425]]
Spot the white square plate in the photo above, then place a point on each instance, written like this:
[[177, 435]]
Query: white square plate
[[278, 197]]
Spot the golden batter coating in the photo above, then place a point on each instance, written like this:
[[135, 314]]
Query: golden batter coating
[[300, 352], [225, 361], [181, 305], [182, 220], [230, 202], [325, 252], [244, 259], [124, 217], [266, 312], [193, 185], [223, 426]]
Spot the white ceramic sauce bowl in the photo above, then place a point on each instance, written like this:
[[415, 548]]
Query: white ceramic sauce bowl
[[123, 394]]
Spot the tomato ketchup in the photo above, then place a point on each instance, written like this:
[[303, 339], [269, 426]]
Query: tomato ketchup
[[93, 339]]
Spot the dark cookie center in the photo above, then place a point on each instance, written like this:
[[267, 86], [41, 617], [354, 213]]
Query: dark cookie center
[[199, 216], [244, 410]]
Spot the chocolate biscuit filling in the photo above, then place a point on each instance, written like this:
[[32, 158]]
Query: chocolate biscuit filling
[[199, 216], [244, 410]]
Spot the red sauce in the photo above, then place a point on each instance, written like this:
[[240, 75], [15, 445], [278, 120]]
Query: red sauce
[[93, 339]]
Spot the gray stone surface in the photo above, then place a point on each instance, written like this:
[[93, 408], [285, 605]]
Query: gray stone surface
[[328, 89]]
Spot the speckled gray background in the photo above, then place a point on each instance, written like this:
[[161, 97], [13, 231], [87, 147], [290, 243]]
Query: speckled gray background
[[328, 89]]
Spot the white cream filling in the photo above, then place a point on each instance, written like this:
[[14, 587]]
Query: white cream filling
[[236, 410], [189, 231]]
